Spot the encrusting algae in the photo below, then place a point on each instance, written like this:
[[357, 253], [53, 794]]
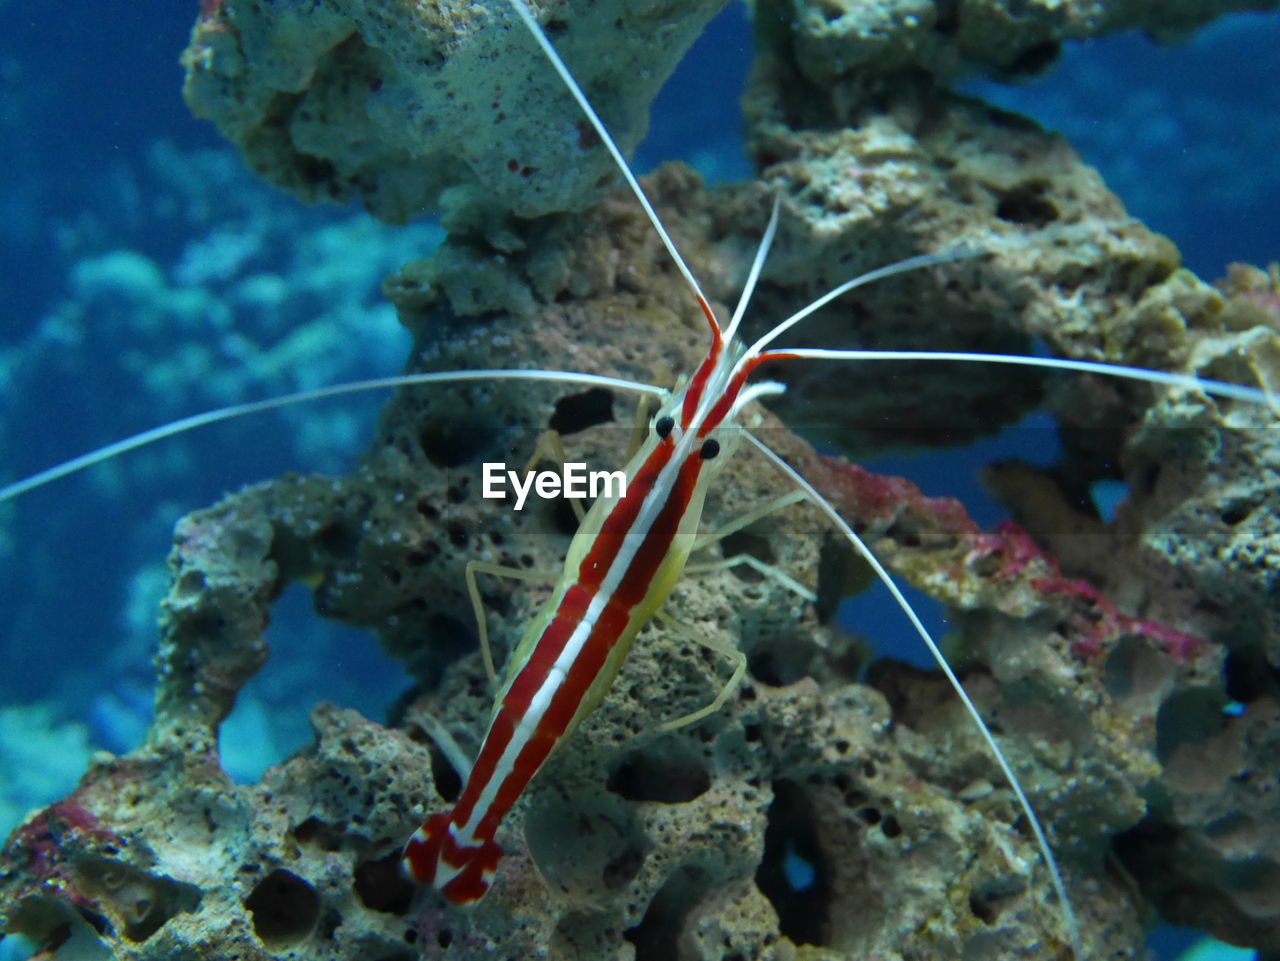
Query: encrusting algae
[[825, 812]]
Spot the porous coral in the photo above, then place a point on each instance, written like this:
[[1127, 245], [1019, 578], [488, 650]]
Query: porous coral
[[836, 39], [814, 816], [673, 845], [397, 103], [1194, 545]]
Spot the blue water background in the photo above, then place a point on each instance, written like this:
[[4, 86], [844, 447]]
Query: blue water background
[[145, 275]]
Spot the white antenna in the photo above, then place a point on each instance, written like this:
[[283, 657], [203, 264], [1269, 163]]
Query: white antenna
[[524, 13], [185, 424], [1042, 840], [901, 266], [1217, 388], [757, 265]]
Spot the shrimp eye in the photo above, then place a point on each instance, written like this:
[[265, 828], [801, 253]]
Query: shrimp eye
[[710, 448], [664, 426]]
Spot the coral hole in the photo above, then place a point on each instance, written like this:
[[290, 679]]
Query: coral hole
[[1188, 716], [1137, 675], [453, 444], [382, 886], [751, 544], [447, 780], [340, 540], [1036, 59], [1027, 204], [841, 574], [780, 661], [313, 831], [143, 902], [657, 936], [794, 874], [577, 412], [989, 899], [668, 778], [285, 909]]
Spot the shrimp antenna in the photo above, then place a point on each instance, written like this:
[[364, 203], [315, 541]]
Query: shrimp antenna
[[524, 13], [961, 252], [1216, 388], [757, 265], [185, 424], [1042, 841]]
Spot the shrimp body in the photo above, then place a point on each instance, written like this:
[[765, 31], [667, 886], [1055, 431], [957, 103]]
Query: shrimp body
[[622, 565]]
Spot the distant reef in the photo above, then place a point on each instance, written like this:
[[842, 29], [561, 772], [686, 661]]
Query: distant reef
[[838, 806]]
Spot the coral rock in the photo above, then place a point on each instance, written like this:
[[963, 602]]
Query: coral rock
[[812, 814], [395, 103]]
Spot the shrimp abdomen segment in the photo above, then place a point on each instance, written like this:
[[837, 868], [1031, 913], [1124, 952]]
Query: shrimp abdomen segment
[[455, 849], [622, 568], [461, 872]]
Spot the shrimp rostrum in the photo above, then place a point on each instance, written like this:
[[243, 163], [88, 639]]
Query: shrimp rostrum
[[658, 693]]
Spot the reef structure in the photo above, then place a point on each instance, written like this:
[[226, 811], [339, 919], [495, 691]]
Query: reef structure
[[824, 813], [398, 103]]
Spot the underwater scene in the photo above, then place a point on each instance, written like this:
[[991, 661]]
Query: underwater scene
[[340, 678]]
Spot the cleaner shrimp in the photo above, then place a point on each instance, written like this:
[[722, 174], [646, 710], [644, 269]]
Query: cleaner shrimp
[[692, 434]]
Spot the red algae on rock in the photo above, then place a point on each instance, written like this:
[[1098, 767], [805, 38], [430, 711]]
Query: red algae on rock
[[1102, 671], [632, 838]]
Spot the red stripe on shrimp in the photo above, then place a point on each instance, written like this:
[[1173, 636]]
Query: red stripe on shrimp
[[555, 720], [658, 539], [622, 519], [472, 866]]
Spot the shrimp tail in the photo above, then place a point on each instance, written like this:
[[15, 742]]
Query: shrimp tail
[[462, 872]]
